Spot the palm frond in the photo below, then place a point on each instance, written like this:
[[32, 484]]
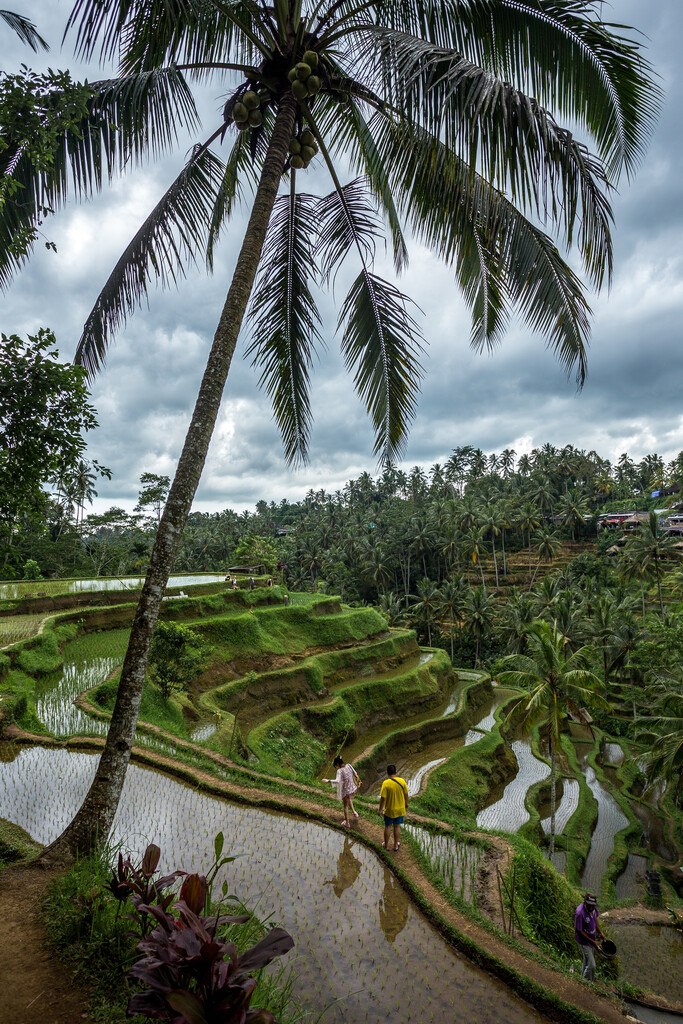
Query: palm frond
[[25, 29], [347, 220], [238, 167], [517, 143], [142, 113], [171, 236], [284, 318], [499, 255], [382, 343], [148, 33], [560, 51], [378, 180], [125, 118]]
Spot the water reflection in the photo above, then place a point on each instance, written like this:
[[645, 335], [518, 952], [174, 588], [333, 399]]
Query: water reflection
[[393, 907], [342, 952], [348, 869]]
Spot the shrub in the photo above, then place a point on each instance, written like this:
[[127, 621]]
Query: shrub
[[176, 656]]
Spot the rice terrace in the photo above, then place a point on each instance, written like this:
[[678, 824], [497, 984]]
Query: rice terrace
[[284, 740]]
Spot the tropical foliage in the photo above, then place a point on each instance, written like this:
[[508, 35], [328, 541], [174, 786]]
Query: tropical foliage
[[446, 116]]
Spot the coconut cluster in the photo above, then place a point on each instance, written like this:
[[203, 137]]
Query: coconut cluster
[[305, 81], [302, 149], [246, 112]]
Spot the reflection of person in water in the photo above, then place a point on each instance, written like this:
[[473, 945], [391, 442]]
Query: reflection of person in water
[[348, 869], [393, 907]]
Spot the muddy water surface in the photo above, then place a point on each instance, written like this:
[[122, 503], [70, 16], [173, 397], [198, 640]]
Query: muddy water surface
[[651, 956], [358, 938], [631, 881], [611, 819], [508, 813], [568, 803]]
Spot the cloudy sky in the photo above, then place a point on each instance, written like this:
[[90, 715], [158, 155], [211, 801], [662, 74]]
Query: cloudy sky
[[518, 397]]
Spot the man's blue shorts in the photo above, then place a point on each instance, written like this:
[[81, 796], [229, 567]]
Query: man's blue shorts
[[393, 821]]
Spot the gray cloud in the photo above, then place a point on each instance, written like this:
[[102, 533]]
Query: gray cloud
[[518, 397]]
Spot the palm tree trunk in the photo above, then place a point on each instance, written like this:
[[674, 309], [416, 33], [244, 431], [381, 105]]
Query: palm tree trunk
[[553, 800], [93, 821], [495, 560], [659, 588]]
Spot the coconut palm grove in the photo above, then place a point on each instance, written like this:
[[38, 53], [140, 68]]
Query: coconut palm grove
[[483, 656]]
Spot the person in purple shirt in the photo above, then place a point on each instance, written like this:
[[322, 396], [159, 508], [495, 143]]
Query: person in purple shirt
[[586, 930]]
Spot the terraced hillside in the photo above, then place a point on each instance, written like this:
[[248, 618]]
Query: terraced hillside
[[286, 686]]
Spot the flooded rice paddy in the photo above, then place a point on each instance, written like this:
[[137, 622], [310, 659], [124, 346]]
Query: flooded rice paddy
[[630, 883], [15, 591], [508, 813], [355, 930], [88, 662], [455, 860], [566, 807], [611, 819], [651, 956]]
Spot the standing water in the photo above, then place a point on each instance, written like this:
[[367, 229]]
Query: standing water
[[359, 940]]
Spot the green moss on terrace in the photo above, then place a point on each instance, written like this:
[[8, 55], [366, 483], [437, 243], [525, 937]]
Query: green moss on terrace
[[415, 737], [459, 787], [307, 736]]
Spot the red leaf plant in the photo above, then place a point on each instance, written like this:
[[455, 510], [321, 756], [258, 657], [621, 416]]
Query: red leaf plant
[[192, 975]]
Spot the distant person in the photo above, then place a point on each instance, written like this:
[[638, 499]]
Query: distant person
[[286, 600], [586, 929], [227, 577], [393, 804], [347, 783], [270, 582], [251, 583], [234, 583]]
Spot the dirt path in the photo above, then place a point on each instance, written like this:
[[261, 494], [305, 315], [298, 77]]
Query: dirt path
[[486, 949], [35, 988]]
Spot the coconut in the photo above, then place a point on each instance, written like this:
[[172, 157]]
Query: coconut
[[313, 85], [255, 118], [295, 147], [240, 112], [243, 126], [250, 100], [311, 58], [296, 162], [299, 89], [307, 152], [307, 138], [292, 74], [302, 71]]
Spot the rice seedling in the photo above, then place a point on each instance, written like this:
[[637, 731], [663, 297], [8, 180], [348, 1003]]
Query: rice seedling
[[345, 947], [18, 627]]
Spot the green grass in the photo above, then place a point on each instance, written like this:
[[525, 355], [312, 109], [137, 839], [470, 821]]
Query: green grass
[[323, 726], [15, 843], [14, 628]]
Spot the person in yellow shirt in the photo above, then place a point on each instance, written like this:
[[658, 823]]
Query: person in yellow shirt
[[393, 804]]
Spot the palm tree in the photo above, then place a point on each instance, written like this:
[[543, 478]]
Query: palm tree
[[451, 604], [573, 509], [662, 736], [479, 616], [426, 604], [646, 549], [558, 682], [416, 99], [548, 545]]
